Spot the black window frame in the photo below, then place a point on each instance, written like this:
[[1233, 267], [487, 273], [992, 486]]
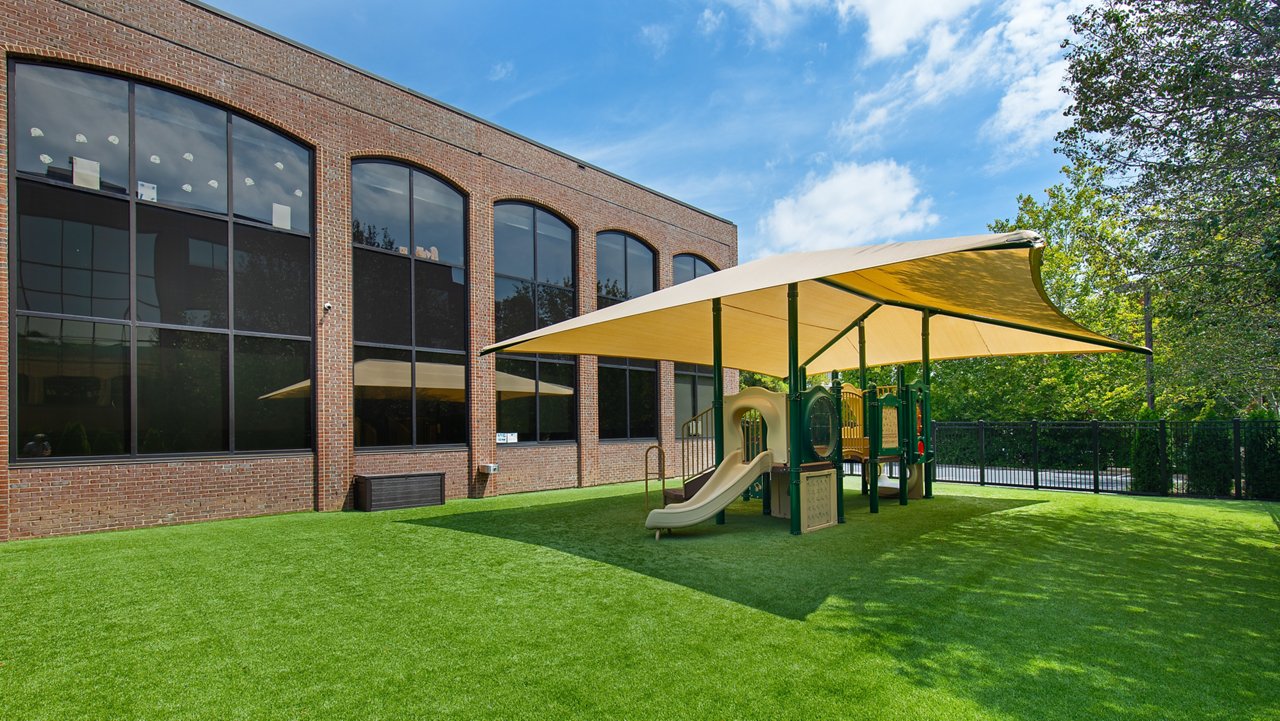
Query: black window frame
[[130, 197], [541, 359], [692, 371], [412, 348], [627, 365]]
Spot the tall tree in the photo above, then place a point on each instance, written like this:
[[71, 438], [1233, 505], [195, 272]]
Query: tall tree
[[1179, 102]]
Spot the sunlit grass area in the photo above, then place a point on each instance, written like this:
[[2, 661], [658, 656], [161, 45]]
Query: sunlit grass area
[[979, 604]]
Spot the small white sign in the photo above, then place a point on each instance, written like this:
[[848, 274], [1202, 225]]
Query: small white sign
[[85, 173], [508, 437], [146, 191], [281, 215]]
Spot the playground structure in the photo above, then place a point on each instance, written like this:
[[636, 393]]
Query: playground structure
[[956, 297]]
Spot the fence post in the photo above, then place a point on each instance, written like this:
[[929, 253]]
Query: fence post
[[1097, 457], [1166, 467], [1235, 456], [982, 453], [1035, 455]]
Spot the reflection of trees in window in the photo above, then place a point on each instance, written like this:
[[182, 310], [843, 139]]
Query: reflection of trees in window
[[628, 394], [78, 393], [533, 288], [410, 312], [693, 382]]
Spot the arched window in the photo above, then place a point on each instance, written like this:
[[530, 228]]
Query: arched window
[[685, 267], [533, 262], [694, 383], [628, 394], [162, 272], [409, 298]]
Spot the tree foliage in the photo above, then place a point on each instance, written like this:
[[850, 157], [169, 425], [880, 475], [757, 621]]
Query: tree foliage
[[1178, 102]]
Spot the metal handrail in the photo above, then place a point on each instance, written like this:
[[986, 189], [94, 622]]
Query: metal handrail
[[697, 451], [661, 474]]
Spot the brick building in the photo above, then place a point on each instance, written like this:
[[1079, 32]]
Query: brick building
[[240, 272]]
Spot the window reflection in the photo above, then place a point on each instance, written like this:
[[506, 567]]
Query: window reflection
[[272, 177], [182, 391], [181, 156], [441, 382], [381, 299], [71, 388], [273, 281], [686, 267], [628, 395], [438, 221], [383, 389], [380, 206], [182, 269], [73, 252], [273, 398], [72, 127]]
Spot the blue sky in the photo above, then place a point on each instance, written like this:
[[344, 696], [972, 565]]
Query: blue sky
[[809, 123]]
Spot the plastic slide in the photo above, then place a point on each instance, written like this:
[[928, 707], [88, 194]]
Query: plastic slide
[[915, 477], [728, 482]]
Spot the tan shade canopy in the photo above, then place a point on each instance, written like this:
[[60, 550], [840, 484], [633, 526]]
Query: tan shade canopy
[[379, 378], [984, 293]]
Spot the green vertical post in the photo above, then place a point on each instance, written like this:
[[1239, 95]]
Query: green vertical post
[[906, 431], [867, 466], [717, 391], [838, 391], [794, 383], [871, 469], [927, 431]]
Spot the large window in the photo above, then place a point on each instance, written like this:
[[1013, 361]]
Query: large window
[[408, 231], [533, 287], [693, 382], [161, 273], [628, 394]]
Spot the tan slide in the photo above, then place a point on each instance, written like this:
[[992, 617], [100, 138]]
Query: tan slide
[[915, 486], [731, 478]]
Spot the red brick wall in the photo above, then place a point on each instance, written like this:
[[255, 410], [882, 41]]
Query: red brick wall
[[344, 114]]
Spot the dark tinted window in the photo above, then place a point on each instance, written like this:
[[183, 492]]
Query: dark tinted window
[[273, 393], [513, 307], [517, 382], [72, 126], [182, 268], [73, 252], [381, 298], [639, 268], [439, 221], [613, 402], [272, 281], [181, 154], [440, 294], [687, 267], [441, 380], [513, 240], [380, 206], [554, 250], [182, 391], [556, 418], [643, 390], [611, 265], [271, 177], [71, 388], [383, 387]]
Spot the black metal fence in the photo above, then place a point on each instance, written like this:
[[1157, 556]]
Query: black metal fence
[[1221, 459]]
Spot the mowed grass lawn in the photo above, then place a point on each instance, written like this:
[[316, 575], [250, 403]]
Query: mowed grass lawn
[[980, 604]]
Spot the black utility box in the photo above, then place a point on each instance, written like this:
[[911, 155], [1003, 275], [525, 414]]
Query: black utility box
[[405, 490]]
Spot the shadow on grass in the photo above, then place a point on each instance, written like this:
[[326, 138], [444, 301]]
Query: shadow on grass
[[752, 559], [1081, 613]]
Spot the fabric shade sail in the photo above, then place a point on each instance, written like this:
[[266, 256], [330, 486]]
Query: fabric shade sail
[[378, 378], [984, 294]]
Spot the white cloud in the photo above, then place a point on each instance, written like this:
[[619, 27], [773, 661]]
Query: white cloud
[[1020, 51], [709, 21], [657, 37], [773, 20], [853, 204], [893, 26], [502, 70]]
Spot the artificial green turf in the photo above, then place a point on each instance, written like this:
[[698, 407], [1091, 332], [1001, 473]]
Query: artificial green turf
[[979, 604]]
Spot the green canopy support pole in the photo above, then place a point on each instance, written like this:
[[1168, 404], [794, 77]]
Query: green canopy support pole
[[927, 421], [868, 467], [837, 390], [794, 384], [717, 391], [906, 431]]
